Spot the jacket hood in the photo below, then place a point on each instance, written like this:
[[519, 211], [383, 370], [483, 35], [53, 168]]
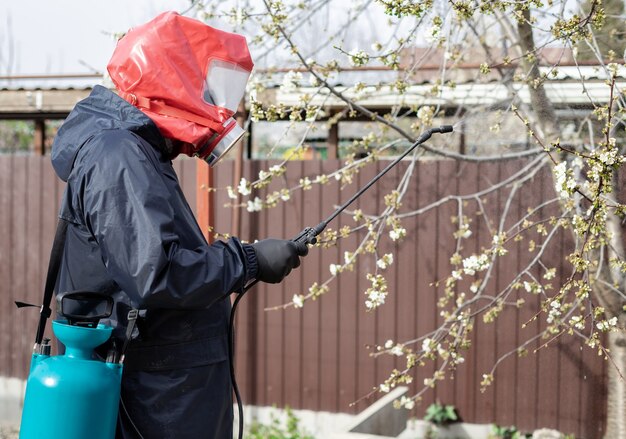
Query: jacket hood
[[101, 110]]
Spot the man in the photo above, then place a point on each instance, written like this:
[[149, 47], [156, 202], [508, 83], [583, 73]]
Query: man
[[132, 235]]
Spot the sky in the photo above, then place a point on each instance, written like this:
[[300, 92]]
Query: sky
[[68, 36], [75, 36]]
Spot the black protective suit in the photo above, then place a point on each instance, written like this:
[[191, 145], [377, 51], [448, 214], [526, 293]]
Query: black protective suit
[[132, 235]]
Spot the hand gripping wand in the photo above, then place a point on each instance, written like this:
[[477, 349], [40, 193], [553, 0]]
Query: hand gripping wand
[[309, 236]]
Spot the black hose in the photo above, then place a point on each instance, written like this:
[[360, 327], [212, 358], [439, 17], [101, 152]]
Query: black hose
[[231, 356]]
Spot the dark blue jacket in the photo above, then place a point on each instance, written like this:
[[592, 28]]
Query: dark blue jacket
[[132, 235]]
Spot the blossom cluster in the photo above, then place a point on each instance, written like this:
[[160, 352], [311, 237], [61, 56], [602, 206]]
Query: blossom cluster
[[564, 182], [377, 292], [476, 263]]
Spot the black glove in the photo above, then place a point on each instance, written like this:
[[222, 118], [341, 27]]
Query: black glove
[[277, 257]]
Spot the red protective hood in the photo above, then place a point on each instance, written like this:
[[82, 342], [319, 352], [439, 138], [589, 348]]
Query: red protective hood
[[161, 68]]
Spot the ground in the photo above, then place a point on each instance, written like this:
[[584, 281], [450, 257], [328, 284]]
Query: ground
[[8, 432]]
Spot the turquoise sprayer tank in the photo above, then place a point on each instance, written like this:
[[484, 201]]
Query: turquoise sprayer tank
[[72, 396]]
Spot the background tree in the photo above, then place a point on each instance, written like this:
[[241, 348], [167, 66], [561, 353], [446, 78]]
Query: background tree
[[519, 42], [609, 39]]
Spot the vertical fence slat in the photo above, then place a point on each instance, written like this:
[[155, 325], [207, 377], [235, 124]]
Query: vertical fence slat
[[311, 271], [446, 185], [426, 275], [33, 266], [19, 244], [402, 275], [385, 317], [370, 203], [485, 333], [466, 376], [548, 368], [526, 380], [350, 299], [292, 318], [274, 321], [506, 325], [331, 313], [6, 262]]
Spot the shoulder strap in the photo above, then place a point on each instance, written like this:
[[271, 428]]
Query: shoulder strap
[[53, 269]]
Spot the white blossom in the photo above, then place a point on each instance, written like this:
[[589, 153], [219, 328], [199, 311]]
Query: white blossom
[[375, 298], [384, 388], [276, 169], [426, 345], [555, 304], [577, 322], [358, 58], [475, 263], [305, 183], [334, 269], [555, 311], [463, 232], [397, 233], [231, 193], [610, 157], [397, 350], [606, 325], [255, 206], [298, 300], [564, 182], [425, 114], [407, 403], [291, 81], [285, 195], [244, 187], [550, 273], [385, 261]]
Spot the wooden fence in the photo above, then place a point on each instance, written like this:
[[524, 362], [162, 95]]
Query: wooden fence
[[318, 357]]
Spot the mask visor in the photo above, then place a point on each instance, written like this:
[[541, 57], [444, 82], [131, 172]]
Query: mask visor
[[225, 84], [225, 144]]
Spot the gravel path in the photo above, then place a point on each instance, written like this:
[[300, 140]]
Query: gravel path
[[9, 432]]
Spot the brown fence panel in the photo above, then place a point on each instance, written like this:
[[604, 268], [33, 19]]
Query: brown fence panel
[[27, 225], [319, 357]]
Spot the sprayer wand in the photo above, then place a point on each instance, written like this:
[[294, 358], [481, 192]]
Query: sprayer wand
[[309, 234]]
